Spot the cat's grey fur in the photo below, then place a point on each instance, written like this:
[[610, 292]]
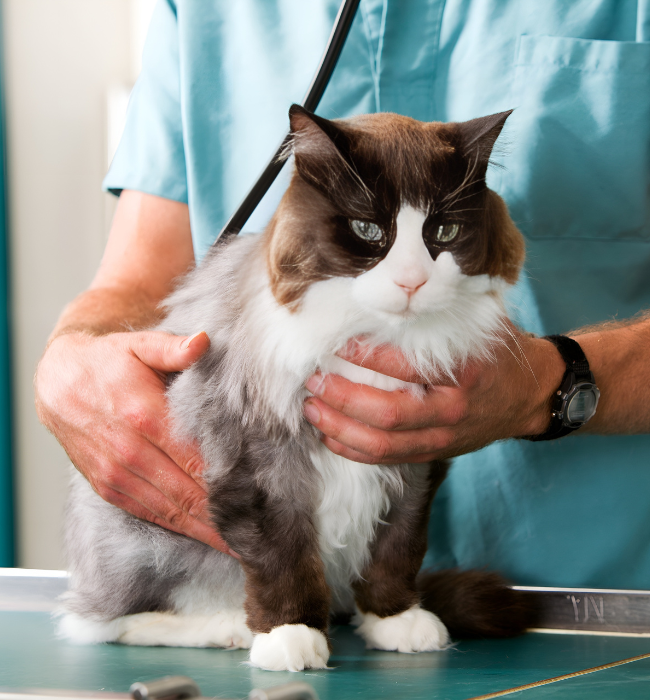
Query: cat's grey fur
[[267, 471]]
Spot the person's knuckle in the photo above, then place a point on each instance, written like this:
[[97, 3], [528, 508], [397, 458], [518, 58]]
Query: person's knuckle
[[106, 492], [331, 427], [170, 344], [391, 416], [336, 447], [337, 392], [112, 477], [194, 466], [155, 519], [365, 459], [139, 417], [381, 448], [458, 411], [127, 454], [176, 517], [444, 439], [343, 401], [192, 502]]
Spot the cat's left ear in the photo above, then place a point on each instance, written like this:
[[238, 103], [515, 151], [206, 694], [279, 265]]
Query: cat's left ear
[[479, 135]]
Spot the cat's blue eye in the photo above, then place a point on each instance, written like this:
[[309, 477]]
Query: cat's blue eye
[[447, 232], [366, 230]]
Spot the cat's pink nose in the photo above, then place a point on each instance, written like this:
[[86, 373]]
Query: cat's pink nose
[[411, 289]]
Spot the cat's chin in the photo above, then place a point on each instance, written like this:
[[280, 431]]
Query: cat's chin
[[405, 317], [390, 311]]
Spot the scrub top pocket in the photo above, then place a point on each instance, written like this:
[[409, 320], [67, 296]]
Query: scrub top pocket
[[580, 139]]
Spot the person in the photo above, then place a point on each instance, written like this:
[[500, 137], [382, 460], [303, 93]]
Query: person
[[205, 114]]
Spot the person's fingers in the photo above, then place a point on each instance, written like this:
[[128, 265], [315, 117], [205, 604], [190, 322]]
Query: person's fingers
[[381, 446], [189, 526], [185, 454], [384, 359], [389, 410], [109, 410], [168, 353], [151, 464], [136, 495], [147, 415], [347, 452]]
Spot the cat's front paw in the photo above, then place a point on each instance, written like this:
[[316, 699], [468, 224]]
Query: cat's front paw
[[290, 648], [411, 631]]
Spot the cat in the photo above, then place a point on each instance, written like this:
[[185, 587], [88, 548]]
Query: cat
[[389, 232]]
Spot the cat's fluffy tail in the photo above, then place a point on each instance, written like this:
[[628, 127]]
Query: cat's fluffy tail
[[475, 604]]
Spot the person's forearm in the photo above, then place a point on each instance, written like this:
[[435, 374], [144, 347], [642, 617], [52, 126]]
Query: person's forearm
[[101, 392], [105, 310], [149, 247], [618, 357]]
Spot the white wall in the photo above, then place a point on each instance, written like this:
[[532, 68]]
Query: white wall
[[62, 60]]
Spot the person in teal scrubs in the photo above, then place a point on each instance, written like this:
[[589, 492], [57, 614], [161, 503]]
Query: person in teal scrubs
[[206, 114]]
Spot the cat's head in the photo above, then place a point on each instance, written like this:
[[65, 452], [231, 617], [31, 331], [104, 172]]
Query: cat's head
[[397, 207]]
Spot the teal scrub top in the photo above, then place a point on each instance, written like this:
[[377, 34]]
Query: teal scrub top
[[211, 106]]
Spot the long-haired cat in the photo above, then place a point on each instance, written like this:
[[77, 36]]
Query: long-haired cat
[[387, 232]]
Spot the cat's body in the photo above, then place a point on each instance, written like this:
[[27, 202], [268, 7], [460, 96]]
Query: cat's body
[[315, 532]]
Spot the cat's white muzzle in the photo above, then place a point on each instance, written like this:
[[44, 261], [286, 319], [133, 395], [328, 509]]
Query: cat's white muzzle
[[377, 291]]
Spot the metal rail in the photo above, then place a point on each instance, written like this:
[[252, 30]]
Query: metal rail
[[605, 611]]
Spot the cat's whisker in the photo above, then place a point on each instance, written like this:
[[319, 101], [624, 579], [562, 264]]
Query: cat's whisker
[[522, 353], [467, 181], [459, 199]]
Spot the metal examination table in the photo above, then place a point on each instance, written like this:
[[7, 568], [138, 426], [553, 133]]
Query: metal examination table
[[32, 659]]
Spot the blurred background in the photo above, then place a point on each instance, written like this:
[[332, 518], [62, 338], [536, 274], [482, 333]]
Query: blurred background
[[68, 67]]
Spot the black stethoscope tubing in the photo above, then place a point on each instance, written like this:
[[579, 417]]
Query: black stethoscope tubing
[[328, 62]]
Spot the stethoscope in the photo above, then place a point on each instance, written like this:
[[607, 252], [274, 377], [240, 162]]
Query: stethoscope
[[320, 81]]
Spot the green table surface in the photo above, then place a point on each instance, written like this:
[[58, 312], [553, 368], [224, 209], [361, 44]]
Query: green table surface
[[32, 657]]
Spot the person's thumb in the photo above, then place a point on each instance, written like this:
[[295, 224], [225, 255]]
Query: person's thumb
[[169, 353]]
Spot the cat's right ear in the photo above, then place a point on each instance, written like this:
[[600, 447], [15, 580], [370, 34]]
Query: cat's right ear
[[478, 137]]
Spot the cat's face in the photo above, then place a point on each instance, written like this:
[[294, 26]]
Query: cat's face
[[396, 207]]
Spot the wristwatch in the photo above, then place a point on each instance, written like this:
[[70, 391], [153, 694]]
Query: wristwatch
[[575, 402]]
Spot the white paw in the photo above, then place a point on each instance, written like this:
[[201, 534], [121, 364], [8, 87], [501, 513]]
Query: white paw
[[290, 648], [81, 630], [411, 631], [225, 629]]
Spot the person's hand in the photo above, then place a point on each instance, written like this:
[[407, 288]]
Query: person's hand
[[492, 400], [104, 400]]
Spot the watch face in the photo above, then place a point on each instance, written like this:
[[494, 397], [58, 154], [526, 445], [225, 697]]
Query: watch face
[[582, 405]]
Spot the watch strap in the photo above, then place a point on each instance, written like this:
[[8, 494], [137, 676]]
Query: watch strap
[[576, 364], [572, 354]]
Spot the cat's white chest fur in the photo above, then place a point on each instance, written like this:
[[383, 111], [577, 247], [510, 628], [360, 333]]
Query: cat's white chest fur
[[353, 498]]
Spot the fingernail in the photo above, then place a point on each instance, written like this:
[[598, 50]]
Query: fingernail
[[315, 384], [312, 414], [188, 341], [233, 553]]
